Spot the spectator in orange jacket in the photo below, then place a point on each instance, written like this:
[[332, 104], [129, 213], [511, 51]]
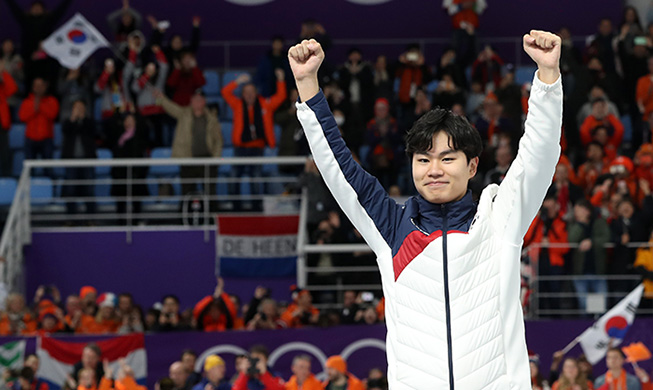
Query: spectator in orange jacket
[[253, 124], [301, 312], [644, 92], [599, 119], [17, 320], [105, 321], [338, 377], [303, 378], [39, 111], [8, 87], [86, 379], [548, 228], [596, 165], [217, 312]]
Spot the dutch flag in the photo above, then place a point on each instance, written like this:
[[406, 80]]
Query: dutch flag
[[59, 357]]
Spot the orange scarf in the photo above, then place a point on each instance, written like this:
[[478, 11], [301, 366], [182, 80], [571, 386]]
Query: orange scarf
[[616, 384]]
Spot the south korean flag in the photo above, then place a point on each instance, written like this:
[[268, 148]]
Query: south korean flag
[[74, 42]]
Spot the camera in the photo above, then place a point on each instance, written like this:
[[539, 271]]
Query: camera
[[367, 296], [252, 370]]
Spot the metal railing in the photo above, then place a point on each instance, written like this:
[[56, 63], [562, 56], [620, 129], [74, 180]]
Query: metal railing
[[534, 309], [33, 208]]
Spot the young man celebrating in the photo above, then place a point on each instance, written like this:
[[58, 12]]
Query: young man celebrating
[[449, 267]]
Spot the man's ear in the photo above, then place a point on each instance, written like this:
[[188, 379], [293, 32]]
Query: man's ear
[[473, 167]]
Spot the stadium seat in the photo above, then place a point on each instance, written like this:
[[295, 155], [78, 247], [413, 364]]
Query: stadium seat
[[103, 171], [17, 136], [59, 172], [58, 136], [41, 189], [432, 86], [97, 109], [17, 163], [231, 75], [163, 170], [225, 170], [524, 74], [226, 128], [628, 128], [212, 86], [8, 187]]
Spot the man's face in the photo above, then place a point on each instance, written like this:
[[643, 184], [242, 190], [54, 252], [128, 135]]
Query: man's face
[[349, 298], [260, 357], [178, 374], [89, 358], [197, 102], [594, 153], [39, 87], [216, 373], [36, 9], [32, 362], [124, 304], [381, 110], [355, 57], [333, 374], [614, 360], [504, 156], [7, 46], [176, 43], [277, 46], [170, 306], [107, 312], [188, 360], [441, 174], [605, 28], [249, 94], [581, 214], [302, 369]]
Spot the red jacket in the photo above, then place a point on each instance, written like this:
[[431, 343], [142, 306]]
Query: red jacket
[[185, 84], [7, 88], [268, 106], [611, 122], [269, 382], [40, 122], [556, 235]]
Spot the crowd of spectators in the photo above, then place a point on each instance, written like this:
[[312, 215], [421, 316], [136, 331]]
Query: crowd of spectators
[[601, 194], [90, 312]]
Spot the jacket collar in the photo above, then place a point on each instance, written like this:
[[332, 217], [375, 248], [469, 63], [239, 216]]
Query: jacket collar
[[430, 216]]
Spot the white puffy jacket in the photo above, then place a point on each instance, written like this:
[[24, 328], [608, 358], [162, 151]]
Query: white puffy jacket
[[451, 272]]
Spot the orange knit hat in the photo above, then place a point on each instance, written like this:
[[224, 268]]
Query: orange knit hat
[[338, 363]]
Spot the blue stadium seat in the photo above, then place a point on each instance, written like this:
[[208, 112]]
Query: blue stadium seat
[[58, 172], [97, 109], [225, 170], [103, 190], [231, 75], [8, 187], [163, 170], [628, 128], [524, 74], [226, 127], [41, 189], [100, 171], [212, 86], [17, 164], [17, 136], [58, 135], [432, 86]]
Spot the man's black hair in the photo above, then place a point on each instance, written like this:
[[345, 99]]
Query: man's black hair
[[259, 348], [278, 37], [27, 373], [188, 351], [174, 297], [586, 204], [462, 135], [354, 49], [413, 46], [595, 143]]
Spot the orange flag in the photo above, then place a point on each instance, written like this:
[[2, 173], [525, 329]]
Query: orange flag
[[636, 352]]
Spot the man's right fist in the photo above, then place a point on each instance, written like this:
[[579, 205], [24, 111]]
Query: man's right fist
[[305, 59]]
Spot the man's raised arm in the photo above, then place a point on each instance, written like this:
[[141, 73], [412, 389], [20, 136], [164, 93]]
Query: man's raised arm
[[359, 194], [521, 193]]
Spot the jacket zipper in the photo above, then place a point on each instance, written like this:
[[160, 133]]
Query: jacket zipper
[[445, 266]]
